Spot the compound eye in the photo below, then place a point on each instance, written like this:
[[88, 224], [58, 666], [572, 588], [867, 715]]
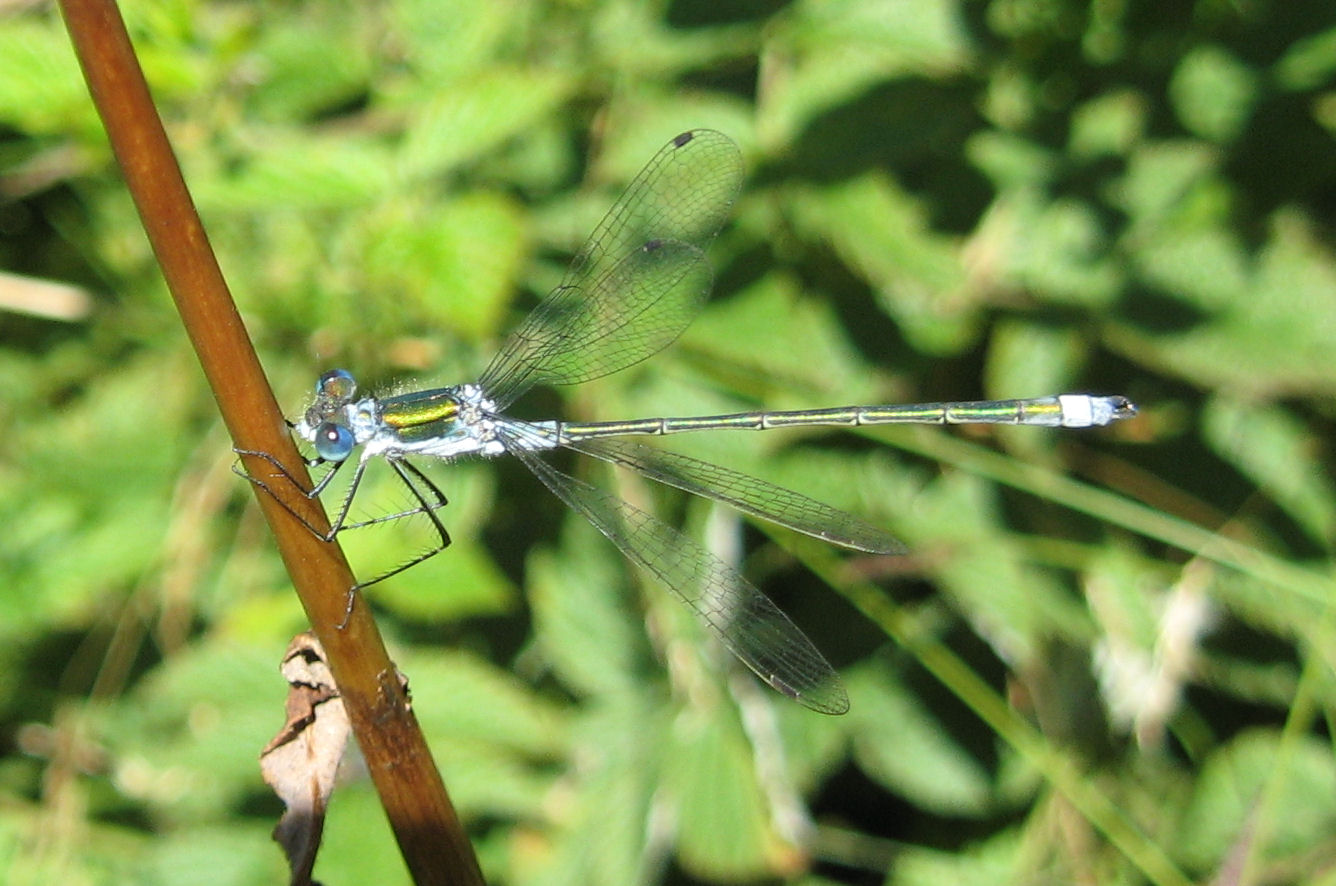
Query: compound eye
[[333, 442], [336, 384]]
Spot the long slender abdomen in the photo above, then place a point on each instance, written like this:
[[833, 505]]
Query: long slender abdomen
[[1066, 410]]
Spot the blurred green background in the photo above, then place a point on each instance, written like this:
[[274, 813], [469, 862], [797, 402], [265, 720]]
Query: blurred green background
[[1108, 658]]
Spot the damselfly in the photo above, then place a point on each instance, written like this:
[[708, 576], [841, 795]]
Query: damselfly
[[631, 290]]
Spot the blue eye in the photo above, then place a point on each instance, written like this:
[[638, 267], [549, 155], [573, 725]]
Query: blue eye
[[336, 384], [333, 442]]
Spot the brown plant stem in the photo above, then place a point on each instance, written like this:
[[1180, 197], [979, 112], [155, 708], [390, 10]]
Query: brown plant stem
[[430, 836]]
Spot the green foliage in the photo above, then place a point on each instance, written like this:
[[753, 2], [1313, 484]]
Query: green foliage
[[1107, 657]]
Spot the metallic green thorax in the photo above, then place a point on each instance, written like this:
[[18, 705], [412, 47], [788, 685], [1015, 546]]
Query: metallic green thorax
[[422, 414]]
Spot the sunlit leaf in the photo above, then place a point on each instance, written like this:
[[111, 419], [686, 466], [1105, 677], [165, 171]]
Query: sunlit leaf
[[464, 697], [177, 739], [1108, 124], [304, 71], [1026, 359], [600, 833], [40, 88], [450, 267], [1277, 339], [881, 233], [903, 746], [1297, 774], [446, 43], [472, 117], [837, 50], [1014, 605], [1275, 450], [722, 820], [1213, 92], [302, 172], [1055, 250], [771, 336], [982, 864], [585, 618]]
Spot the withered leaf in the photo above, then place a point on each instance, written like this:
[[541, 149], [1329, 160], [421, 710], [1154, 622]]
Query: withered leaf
[[301, 761]]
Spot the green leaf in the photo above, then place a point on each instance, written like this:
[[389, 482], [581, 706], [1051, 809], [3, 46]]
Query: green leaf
[[472, 118], [1204, 267], [1260, 774], [1213, 93], [455, 583], [986, 863], [235, 855], [1281, 338], [863, 485], [600, 835], [1016, 607], [900, 744], [723, 822], [494, 737], [833, 51], [882, 234], [179, 740], [1161, 179], [465, 698], [445, 44], [357, 842], [460, 582], [447, 267], [308, 68], [1031, 360], [301, 172], [586, 621], [635, 39], [1012, 163], [1057, 250], [788, 346], [98, 477], [1308, 63], [1279, 454], [1109, 124], [41, 90]]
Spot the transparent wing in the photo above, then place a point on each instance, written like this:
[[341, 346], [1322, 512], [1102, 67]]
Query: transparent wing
[[639, 279], [745, 620], [634, 310], [748, 494]]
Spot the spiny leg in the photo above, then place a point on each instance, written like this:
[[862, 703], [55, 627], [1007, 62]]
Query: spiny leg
[[429, 503], [438, 501], [312, 493]]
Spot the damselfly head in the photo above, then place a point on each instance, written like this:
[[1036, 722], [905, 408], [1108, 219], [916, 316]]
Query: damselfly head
[[325, 424]]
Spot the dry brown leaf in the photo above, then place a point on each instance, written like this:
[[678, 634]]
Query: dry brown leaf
[[301, 761]]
